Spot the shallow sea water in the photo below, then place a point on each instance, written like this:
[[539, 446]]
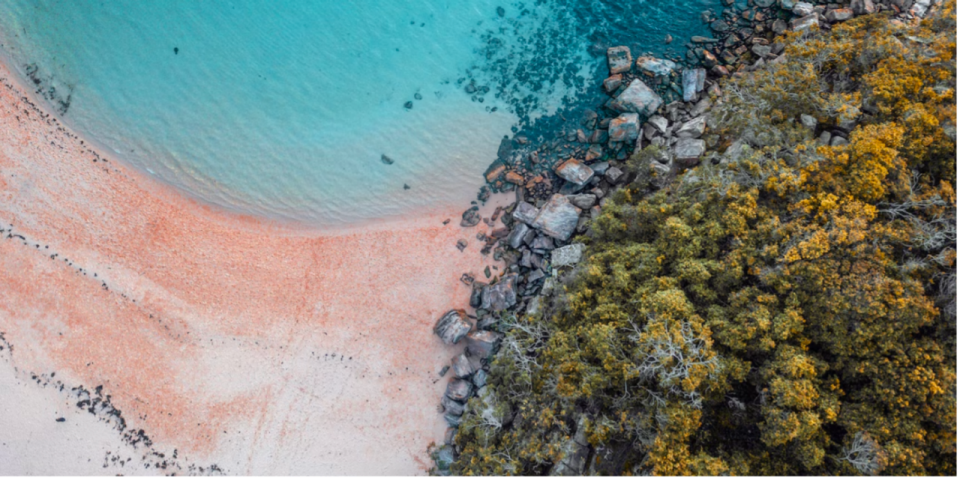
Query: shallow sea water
[[285, 109]]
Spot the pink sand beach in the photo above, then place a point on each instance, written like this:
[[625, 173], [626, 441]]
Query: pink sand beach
[[229, 341]]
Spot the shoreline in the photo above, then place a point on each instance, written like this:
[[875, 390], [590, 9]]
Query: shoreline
[[219, 336]]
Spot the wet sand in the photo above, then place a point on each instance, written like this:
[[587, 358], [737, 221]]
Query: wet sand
[[257, 347]]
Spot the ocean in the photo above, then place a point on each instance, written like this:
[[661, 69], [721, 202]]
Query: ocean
[[291, 110]]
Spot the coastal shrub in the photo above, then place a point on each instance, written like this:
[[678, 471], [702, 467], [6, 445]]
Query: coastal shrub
[[789, 310]]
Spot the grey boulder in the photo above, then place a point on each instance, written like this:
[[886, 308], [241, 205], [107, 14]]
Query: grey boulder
[[558, 218], [482, 343], [500, 296], [574, 171], [452, 326], [566, 255], [687, 151], [637, 98], [525, 212], [459, 390]]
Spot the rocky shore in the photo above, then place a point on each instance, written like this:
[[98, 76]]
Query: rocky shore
[[561, 185]]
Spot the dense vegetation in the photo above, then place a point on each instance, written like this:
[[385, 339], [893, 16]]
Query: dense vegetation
[[787, 307]]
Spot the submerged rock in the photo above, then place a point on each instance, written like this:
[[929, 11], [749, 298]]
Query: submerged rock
[[452, 326], [558, 218]]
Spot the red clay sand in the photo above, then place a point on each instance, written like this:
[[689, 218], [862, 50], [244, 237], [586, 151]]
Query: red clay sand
[[261, 348]]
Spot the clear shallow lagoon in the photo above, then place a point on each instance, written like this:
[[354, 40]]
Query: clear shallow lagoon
[[284, 109]]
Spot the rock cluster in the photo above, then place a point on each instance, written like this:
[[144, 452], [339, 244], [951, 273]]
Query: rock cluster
[[653, 101]]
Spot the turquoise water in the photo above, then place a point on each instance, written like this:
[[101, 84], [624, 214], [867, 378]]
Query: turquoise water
[[285, 108]]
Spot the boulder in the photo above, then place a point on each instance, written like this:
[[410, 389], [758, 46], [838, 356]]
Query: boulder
[[693, 128], [514, 177], [809, 122], [452, 421], [920, 8], [863, 7], [693, 80], [619, 59], [452, 407], [566, 255], [839, 15], [480, 378], [450, 436], [525, 212], [625, 128], [655, 66], [482, 343], [660, 123], [802, 9], [444, 457], [558, 218], [459, 390], [515, 239], [494, 172], [583, 201], [779, 26], [574, 171], [762, 51], [807, 23], [687, 151], [573, 453], [500, 296], [542, 243], [613, 175], [848, 122], [463, 366], [452, 326], [637, 98], [594, 152], [611, 84]]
